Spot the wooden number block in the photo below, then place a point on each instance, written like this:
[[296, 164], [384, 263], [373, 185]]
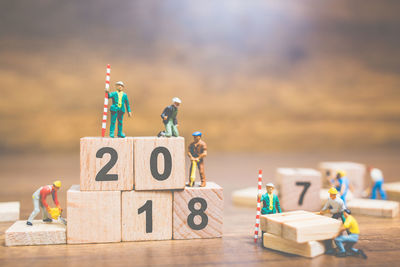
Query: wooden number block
[[299, 189], [355, 173], [146, 215], [374, 207], [93, 216], [320, 228], [20, 234], [9, 211], [198, 212], [159, 163], [246, 197], [106, 164], [392, 190], [309, 249], [273, 223]]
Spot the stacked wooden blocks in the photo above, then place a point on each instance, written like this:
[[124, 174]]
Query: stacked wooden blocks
[[133, 189], [298, 232]]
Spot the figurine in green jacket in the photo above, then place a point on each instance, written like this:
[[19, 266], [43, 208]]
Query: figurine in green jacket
[[117, 109], [270, 201]]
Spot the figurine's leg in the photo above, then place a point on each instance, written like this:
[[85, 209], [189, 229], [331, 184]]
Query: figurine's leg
[[112, 123], [381, 191], [35, 211], [374, 189], [168, 128], [175, 131], [202, 174], [339, 243], [120, 118], [44, 212]]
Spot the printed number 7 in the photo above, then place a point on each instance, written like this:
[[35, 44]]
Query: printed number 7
[[306, 186]]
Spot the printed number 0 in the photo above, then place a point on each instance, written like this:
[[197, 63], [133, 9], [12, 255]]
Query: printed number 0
[[199, 212], [103, 173], [167, 163], [306, 186], [148, 208]]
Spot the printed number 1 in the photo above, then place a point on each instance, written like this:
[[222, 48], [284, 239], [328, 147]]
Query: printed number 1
[[148, 208], [306, 186]]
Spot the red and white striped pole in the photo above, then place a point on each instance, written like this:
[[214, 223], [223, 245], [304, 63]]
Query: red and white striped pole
[[258, 206], [103, 125]]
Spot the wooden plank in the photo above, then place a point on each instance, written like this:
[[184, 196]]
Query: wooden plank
[[356, 173], [96, 153], [273, 223], [9, 211], [374, 207], [298, 188], [159, 163], [41, 233], [246, 197], [311, 230], [198, 212], [392, 191], [93, 216], [309, 249], [146, 215], [266, 217]]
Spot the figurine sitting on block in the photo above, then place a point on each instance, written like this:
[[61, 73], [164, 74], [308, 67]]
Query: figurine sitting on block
[[270, 201], [169, 119], [117, 109], [197, 151], [39, 202]]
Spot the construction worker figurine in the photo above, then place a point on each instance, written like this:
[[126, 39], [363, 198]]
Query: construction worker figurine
[[39, 202], [169, 119], [342, 185], [377, 179], [270, 201], [197, 151], [117, 109]]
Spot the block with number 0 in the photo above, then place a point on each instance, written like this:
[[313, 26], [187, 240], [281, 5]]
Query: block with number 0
[[146, 215], [299, 189], [198, 212]]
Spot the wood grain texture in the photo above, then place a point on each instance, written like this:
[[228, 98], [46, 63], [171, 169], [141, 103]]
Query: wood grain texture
[[290, 193], [392, 191], [93, 216], [9, 211], [356, 173], [143, 148], [91, 165], [246, 197], [374, 207], [134, 224], [309, 249], [213, 195], [273, 223], [40, 233]]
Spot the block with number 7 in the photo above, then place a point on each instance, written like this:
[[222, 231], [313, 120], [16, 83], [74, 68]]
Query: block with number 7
[[198, 212]]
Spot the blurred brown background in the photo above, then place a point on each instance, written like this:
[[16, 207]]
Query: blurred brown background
[[253, 75]]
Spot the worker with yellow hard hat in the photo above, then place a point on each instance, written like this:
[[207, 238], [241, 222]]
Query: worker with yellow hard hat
[[39, 202], [342, 184]]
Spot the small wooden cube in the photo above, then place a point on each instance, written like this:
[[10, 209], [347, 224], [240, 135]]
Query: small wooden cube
[[273, 223], [198, 212], [146, 215], [246, 197], [159, 163], [299, 188], [93, 216], [392, 191], [106, 164], [9, 211], [374, 207], [309, 249], [355, 172], [40, 233]]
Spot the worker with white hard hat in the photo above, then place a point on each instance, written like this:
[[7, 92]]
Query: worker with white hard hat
[[169, 119]]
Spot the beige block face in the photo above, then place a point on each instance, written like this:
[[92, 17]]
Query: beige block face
[[93, 217], [20, 234], [106, 164], [146, 215], [374, 207], [274, 225], [9, 211], [159, 163], [299, 189], [246, 197], [198, 212], [392, 191]]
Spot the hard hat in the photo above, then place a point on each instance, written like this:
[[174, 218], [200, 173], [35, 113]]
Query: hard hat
[[197, 133], [57, 184], [347, 211], [270, 185], [120, 83], [341, 173], [333, 191], [176, 100]]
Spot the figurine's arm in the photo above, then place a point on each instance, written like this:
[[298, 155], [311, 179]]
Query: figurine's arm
[[165, 114], [175, 121], [325, 208], [278, 206], [189, 153], [128, 107], [55, 199], [204, 154], [43, 200]]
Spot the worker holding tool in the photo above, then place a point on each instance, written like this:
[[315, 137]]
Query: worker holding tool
[[197, 151], [39, 202], [270, 201], [342, 184]]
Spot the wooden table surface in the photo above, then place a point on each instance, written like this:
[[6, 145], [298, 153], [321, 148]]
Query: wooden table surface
[[21, 175]]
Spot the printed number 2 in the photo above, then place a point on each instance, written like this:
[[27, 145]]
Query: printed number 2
[[197, 212], [103, 173], [306, 186], [148, 208]]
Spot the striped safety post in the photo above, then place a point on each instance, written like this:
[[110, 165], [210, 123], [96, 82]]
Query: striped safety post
[[258, 206], [103, 125]]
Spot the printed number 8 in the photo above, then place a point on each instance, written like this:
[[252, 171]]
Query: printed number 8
[[197, 212]]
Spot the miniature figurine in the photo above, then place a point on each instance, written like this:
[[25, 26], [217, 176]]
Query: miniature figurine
[[335, 205], [39, 202], [197, 151], [270, 201], [169, 119], [117, 109], [377, 178], [342, 185], [351, 225]]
